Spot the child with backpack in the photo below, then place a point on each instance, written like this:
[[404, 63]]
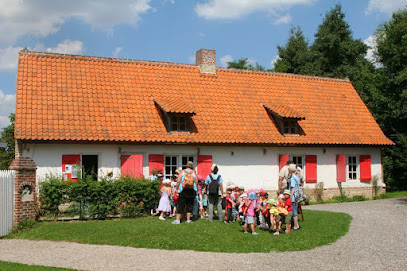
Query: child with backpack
[[214, 183], [230, 204], [249, 213], [288, 205]]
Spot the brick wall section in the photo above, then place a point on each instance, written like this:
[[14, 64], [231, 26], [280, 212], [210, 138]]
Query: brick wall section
[[25, 175], [328, 193]]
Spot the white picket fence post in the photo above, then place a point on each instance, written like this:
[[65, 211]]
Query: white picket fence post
[[6, 201]]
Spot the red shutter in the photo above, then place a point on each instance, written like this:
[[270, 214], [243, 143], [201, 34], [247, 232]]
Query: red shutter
[[70, 164], [204, 165], [365, 168], [132, 165], [156, 161], [311, 168], [283, 159], [341, 168]]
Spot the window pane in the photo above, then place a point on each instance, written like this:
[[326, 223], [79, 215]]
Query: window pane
[[167, 170], [173, 169], [182, 120], [354, 176], [184, 160], [182, 127], [191, 158], [174, 160], [167, 160]]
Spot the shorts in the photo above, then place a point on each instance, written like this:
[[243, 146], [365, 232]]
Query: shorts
[[277, 218], [288, 218], [295, 209], [205, 200], [249, 219], [185, 202], [200, 202]]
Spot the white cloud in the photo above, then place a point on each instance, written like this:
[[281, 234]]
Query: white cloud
[[44, 17], [274, 60], [192, 59], [73, 47], [8, 57], [225, 59], [371, 42], [201, 34], [231, 9], [117, 51], [7, 106], [385, 6], [283, 19]]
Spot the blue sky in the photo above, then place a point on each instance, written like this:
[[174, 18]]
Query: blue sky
[[167, 30]]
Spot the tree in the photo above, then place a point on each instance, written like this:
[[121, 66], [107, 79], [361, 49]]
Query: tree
[[334, 52], [7, 136], [294, 56], [391, 101], [244, 64]]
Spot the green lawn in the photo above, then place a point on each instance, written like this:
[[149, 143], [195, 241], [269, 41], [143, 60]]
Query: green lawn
[[7, 266], [320, 228]]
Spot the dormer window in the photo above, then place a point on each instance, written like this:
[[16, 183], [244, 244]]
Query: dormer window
[[178, 123], [290, 126], [285, 118], [176, 114]]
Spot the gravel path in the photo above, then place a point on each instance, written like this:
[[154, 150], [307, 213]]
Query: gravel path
[[377, 240]]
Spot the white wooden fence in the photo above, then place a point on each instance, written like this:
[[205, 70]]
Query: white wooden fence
[[6, 201]]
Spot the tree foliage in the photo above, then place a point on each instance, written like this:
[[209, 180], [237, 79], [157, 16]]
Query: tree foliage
[[294, 56], [391, 99], [7, 136], [245, 64]]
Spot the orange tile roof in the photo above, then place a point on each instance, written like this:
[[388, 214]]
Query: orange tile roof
[[173, 105], [283, 111], [80, 98]]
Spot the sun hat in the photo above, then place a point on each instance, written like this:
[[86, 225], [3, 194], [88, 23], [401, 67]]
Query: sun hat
[[200, 178], [243, 195], [166, 181], [236, 188], [213, 166], [252, 196], [241, 188], [281, 196], [231, 187], [287, 192], [292, 167], [260, 190], [271, 201]]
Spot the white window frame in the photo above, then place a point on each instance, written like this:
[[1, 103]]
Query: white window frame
[[357, 168], [179, 161]]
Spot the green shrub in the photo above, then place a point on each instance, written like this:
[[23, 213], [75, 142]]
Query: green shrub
[[359, 198], [99, 199], [24, 225]]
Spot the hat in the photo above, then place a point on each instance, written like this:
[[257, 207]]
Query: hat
[[260, 190], [252, 196], [271, 201], [236, 188], [281, 196], [213, 166], [241, 188], [231, 187], [167, 181], [292, 167], [287, 192], [243, 195], [200, 178]]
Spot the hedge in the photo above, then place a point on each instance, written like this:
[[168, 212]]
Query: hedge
[[126, 196]]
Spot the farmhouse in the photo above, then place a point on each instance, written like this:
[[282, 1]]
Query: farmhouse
[[131, 116]]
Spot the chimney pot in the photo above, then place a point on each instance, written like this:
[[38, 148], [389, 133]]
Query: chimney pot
[[206, 61]]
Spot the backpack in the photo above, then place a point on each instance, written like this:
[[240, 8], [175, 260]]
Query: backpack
[[188, 179], [213, 188]]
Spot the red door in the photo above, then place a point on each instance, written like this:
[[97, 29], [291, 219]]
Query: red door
[[132, 165]]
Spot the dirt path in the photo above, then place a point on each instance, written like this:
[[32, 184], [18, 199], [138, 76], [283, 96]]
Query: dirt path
[[377, 240]]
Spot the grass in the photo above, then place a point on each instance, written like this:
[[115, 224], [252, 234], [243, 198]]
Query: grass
[[7, 266], [320, 228]]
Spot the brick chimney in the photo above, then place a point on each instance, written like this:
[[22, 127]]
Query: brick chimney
[[206, 60]]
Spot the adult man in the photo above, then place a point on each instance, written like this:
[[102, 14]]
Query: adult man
[[214, 184], [285, 175], [187, 188]]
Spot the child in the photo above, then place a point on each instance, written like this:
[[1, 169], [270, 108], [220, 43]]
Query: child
[[241, 201], [173, 200], [274, 217], [164, 205], [249, 212], [235, 197], [261, 208], [229, 205], [200, 196], [288, 206]]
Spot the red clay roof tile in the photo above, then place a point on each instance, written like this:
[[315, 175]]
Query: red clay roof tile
[[65, 97]]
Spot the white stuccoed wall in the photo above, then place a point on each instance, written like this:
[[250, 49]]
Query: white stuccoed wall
[[252, 167]]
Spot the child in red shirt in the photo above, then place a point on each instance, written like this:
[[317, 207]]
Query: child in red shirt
[[230, 204], [289, 206]]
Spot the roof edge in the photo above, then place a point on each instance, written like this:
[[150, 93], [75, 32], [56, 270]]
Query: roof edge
[[26, 52]]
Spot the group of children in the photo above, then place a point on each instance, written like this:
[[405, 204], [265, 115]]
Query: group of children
[[255, 207], [249, 208]]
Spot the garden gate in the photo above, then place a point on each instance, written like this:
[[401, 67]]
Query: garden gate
[[6, 201]]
